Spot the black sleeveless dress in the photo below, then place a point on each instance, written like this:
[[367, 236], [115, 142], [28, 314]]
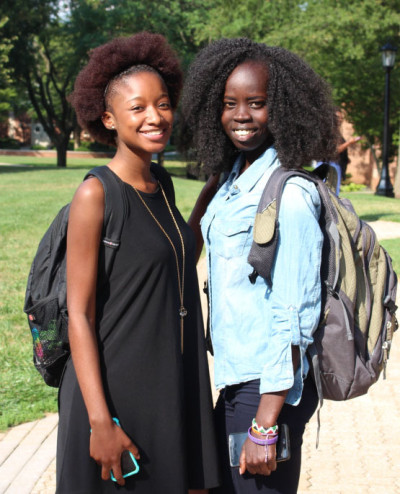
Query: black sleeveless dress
[[161, 397]]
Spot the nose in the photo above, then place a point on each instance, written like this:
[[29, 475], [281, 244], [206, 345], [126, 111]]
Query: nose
[[242, 113], [153, 115]]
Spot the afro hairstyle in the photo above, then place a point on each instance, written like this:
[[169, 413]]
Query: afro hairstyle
[[109, 60], [301, 115]]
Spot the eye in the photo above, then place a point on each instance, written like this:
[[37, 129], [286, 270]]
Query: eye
[[165, 105], [137, 108], [229, 105], [257, 104]]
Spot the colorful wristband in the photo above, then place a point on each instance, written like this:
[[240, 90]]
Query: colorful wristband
[[260, 429], [262, 442]]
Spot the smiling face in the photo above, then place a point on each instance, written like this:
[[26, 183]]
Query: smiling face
[[245, 113], [140, 112]]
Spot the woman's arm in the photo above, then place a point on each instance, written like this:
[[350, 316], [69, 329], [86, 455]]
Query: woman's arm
[[204, 199], [252, 457], [348, 143], [84, 235], [295, 300]]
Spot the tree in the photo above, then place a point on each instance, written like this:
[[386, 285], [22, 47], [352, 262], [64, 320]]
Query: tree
[[53, 40], [42, 65], [175, 19], [339, 38], [6, 92]]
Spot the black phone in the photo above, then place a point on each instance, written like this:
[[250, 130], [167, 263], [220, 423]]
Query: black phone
[[237, 439], [129, 465]]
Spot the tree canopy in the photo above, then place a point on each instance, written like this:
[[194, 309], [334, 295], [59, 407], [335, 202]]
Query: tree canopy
[[339, 38], [46, 43], [7, 93]]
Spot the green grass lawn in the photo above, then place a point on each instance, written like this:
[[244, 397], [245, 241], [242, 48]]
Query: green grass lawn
[[30, 197], [29, 200]]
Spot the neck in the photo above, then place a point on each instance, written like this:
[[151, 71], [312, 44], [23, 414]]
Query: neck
[[251, 156], [134, 169]]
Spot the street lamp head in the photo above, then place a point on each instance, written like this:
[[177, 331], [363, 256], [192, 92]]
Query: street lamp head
[[388, 55]]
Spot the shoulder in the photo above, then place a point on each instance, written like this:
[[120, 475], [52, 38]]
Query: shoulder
[[90, 190], [300, 194], [88, 200]]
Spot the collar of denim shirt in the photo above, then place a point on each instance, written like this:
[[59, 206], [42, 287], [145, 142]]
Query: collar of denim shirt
[[247, 180]]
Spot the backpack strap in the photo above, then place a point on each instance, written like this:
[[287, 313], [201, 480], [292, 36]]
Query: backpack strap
[[266, 226], [114, 212]]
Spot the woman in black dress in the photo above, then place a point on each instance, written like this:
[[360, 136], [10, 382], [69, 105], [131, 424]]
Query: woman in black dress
[[137, 343]]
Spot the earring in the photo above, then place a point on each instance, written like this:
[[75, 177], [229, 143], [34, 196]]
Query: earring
[[112, 127]]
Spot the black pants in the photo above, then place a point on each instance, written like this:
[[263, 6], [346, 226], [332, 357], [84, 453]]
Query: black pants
[[236, 407]]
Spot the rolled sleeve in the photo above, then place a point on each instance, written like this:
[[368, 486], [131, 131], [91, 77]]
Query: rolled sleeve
[[295, 295]]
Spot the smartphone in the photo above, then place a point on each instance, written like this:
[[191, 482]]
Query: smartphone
[[237, 439], [129, 465]]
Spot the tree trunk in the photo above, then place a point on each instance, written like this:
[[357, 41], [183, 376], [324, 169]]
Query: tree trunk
[[396, 186], [62, 146], [160, 158]]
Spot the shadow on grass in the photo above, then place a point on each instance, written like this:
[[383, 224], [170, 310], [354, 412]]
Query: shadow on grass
[[376, 217], [17, 168]]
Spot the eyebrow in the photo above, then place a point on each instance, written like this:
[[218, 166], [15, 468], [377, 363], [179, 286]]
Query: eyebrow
[[162, 95], [249, 98]]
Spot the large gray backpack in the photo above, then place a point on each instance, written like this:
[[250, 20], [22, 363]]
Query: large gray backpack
[[352, 342]]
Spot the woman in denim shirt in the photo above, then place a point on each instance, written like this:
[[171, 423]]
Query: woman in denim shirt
[[247, 109]]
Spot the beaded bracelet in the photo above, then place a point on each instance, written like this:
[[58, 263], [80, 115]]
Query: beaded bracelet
[[260, 429], [262, 442]]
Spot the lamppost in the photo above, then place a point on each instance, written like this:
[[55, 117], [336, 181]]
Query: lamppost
[[385, 187]]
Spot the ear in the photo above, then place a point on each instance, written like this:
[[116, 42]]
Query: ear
[[108, 120]]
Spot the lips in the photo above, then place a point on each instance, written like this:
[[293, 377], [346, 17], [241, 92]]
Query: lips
[[243, 132], [154, 134], [243, 135]]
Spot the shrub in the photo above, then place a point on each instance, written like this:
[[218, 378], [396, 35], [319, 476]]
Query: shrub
[[352, 187], [9, 143]]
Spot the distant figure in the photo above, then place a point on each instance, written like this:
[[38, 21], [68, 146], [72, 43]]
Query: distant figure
[[343, 156]]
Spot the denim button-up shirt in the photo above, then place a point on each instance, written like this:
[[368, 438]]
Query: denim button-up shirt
[[252, 326]]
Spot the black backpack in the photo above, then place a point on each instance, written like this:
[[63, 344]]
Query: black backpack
[[46, 292], [352, 342]]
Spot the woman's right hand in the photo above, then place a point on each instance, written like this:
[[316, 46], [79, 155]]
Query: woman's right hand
[[107, 442], [254, 459]]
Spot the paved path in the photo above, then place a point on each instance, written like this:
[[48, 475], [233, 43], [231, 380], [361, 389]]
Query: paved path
[[359, 449]]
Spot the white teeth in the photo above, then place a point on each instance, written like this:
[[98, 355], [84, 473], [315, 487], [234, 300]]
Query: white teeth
[[154, 133], [241, 132]]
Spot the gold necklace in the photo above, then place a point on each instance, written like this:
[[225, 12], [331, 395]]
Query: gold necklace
[[181, 278]]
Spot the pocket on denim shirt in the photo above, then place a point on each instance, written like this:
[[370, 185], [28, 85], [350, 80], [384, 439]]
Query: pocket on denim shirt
[[231, 237]]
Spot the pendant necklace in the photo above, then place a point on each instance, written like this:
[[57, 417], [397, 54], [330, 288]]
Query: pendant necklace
[[181, 277]]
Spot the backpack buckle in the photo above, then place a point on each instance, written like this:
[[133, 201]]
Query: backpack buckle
[[390, 305], [330, 290], [253, 276]]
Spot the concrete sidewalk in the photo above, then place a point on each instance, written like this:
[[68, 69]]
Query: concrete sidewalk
[[359, 447]]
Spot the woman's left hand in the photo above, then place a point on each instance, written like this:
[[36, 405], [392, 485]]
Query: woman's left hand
[[252, 458]]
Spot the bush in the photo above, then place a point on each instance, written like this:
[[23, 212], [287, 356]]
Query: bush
[[8, 143], [38, 147], [95, 147], [352, 187]]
